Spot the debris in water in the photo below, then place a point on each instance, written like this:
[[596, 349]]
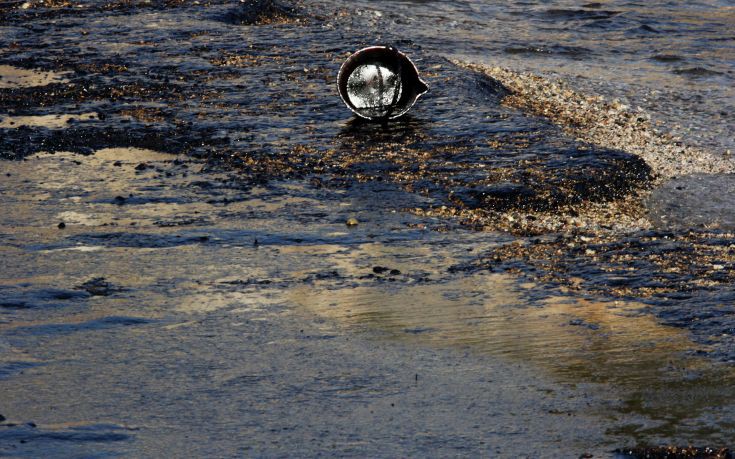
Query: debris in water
[[98, 287], [379, 82]]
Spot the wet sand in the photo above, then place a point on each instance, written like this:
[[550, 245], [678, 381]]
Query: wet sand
[[178, 274], [253, 309], [197, 318]]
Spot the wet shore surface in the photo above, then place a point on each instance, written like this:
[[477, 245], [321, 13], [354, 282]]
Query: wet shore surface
[[180, 310], [178, 274]]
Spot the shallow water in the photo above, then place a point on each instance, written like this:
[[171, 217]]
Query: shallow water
[[213, 291], [695, 201], [224, 308], [675, 59], [579, 341]]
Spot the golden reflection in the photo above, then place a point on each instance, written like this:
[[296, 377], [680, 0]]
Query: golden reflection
[[574, 337], [47, 121], [14, 77], [132, 155], [576, 340]]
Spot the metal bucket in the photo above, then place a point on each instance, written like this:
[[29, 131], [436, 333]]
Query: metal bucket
[[379, 83]]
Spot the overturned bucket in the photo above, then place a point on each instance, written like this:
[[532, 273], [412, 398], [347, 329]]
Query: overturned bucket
[[379, 82]]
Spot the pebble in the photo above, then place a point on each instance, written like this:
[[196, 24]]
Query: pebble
[[352, 222]]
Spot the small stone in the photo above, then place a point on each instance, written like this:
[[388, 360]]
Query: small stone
[[62, 225], [141, 167], [380, 269], [117, 164], [718, 267], [589, 252], [352, 222]]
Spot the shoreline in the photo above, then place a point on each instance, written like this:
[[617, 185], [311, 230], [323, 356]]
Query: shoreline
[[609, 124]]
